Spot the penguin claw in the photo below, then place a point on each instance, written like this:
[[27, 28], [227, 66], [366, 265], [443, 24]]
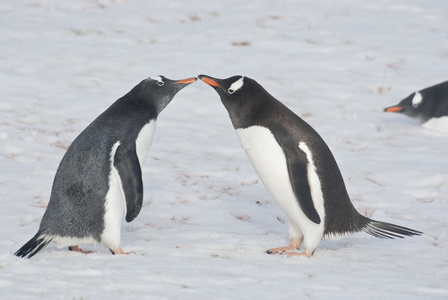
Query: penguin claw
[[291, 248], [280, 250], [273, 252], [291, 253]]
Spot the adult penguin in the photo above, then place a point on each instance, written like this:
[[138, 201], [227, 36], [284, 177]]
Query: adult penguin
[[428, 106], [100, 176], [296, 166]]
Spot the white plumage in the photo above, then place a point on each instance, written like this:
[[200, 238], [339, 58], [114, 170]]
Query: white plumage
[[115, 204], [269, 161]]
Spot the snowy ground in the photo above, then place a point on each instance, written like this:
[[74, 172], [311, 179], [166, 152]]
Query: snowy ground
[[207, 219]]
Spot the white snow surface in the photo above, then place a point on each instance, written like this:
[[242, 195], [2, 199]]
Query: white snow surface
[[206, 219]]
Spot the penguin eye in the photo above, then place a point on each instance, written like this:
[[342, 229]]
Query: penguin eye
[[231, 91], [160, 83]]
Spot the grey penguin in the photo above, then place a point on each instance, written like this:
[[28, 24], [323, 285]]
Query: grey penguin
[[428, 106], [296, 166], [99, 179]]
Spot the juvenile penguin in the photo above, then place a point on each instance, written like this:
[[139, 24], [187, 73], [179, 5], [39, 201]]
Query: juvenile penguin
[[296, 166], [100, 176], [428, 106]]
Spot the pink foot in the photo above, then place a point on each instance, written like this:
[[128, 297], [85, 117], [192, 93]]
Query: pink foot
[[307, 253], [119, 251], [293, 245], [77, 249]]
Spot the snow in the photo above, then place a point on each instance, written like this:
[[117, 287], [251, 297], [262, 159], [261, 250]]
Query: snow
[[206, 219]]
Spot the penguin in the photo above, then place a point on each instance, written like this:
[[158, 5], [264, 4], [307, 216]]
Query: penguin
[[428, 106], [99, 179], [296, 167]]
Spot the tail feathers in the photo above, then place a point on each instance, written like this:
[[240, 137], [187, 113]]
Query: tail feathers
[[34, 246], [385, 230]]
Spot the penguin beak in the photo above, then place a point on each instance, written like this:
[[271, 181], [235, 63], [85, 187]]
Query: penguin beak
[[209, 81], [393, 109], [186, 81]]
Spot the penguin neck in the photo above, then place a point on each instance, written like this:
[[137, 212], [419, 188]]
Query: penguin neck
[[424, 113], [146, 102], [161, 103], [243, 113]]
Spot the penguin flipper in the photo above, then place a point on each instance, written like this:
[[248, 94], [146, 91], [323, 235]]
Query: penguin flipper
[[298, 176], [128, 166]]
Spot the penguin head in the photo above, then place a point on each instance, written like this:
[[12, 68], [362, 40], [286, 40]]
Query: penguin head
[[158, 91], [226, 87], [415, 106], [239, 94]]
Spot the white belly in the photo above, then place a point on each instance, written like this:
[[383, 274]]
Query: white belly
[[115, 207], [115, 204], [144, 141], [269, 162], [437, 124]]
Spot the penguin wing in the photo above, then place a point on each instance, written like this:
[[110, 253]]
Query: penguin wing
[[298, 175], [128, 166]]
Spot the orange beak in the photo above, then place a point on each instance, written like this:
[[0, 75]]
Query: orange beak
[[210, 81], [393, 109], [187, 81]]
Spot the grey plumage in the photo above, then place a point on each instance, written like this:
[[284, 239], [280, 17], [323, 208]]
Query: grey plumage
[[424, 105], [76, 210]]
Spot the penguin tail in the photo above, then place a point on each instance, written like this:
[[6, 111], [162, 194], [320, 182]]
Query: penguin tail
[[385, 230], [33, 246]]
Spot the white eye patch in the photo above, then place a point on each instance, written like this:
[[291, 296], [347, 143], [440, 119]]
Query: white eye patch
[[417, 99], [158, 79], [236, 86]]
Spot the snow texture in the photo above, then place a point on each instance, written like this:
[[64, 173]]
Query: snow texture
[[206, 219]]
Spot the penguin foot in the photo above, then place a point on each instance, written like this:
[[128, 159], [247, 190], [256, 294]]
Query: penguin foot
[[280, 250], [293, 245], [77, 249], [290, 252], [119, 251], [308, 253]]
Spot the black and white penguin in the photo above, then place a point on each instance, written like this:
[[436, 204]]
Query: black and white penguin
[[100, 176], [428, 106], [296, 166]]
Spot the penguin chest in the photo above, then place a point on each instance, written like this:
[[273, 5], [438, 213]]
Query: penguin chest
[[114, 206], [115, 203], [269, 161], [144, 141], [437, 124]]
